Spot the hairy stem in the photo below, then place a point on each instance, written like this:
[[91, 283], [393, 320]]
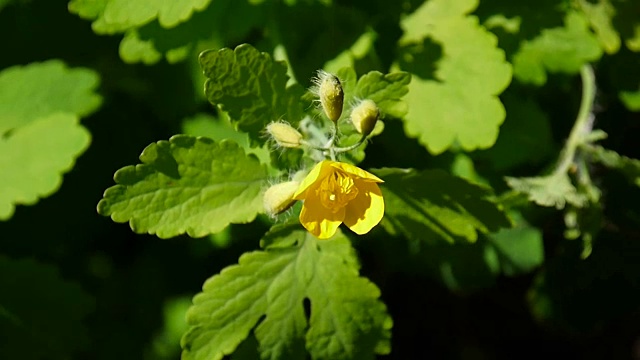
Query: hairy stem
[[584, 121]]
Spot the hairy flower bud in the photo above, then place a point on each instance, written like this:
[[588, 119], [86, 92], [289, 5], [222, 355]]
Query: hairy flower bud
[[364, 116], [284, 134], [329, 90], [279, 197]]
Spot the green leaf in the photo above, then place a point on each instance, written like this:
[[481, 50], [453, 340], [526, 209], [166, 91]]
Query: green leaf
[[611, 159], [221, 129], [386, 90], [251, 87], [456, 103], [563, 49], [599, 15], [223, 22], [34, 157], [631, 99], [41, 314], [187, 184], [113, 16], [518, 250], [38, 90], [267, 291], [432, 205], [552, 190]]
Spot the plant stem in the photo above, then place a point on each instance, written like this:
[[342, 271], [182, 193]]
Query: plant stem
[[584, 121]]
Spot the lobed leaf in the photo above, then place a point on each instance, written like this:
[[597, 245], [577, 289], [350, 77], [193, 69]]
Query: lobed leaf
[[432, 205], [457, 102], [268, 289], [563, 49], [611, 159], [222, 22], [552, 190], [386, 90], [49, 146], [600, 15], [251, 87], [41, 314], [37, 90], [114, 16], [187, 184]]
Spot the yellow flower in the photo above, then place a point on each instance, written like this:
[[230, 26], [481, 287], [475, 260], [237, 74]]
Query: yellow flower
[[335, 192]]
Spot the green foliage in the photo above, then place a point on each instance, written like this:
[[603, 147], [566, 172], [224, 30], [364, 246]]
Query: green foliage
[[466, 155], [187, 184], [44, 319], [611, 159], [386, 90], [462, 105], [223, 21], [50, 145], [221, 129], [431, 206], [112, 16], [251, 87], [267, 291], [600, 15], [39, 109], [30, 92], [563, 49], [552, 190]]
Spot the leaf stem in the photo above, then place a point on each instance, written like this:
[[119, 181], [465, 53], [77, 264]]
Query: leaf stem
[[584, 121]]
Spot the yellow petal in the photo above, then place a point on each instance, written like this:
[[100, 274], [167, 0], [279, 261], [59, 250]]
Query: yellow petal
[[319, 171], [356, 171], [366, 210], [319, 220]]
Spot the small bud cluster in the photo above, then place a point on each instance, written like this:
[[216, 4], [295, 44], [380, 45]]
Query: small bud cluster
[[330, 95]]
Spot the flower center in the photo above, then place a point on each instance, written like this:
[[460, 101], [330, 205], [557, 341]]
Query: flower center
[[336, 190]]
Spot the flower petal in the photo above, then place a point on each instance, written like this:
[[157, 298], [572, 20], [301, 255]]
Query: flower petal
[[319, 220], [355, 171], [319, 171], [366, 210]]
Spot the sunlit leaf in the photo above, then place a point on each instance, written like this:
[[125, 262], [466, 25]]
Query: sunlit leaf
[[38, 90], [267, 291], [187, 184], [563, 49], [34, 157], [112, 16], [600, 15], [251, 87], [456, 102]]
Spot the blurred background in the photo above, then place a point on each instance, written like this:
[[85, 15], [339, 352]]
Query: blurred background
[[125, 294]]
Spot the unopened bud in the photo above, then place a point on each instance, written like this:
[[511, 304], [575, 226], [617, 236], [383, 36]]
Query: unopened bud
[[279, 197], [329, 90], [284, 134], [364, 116]]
